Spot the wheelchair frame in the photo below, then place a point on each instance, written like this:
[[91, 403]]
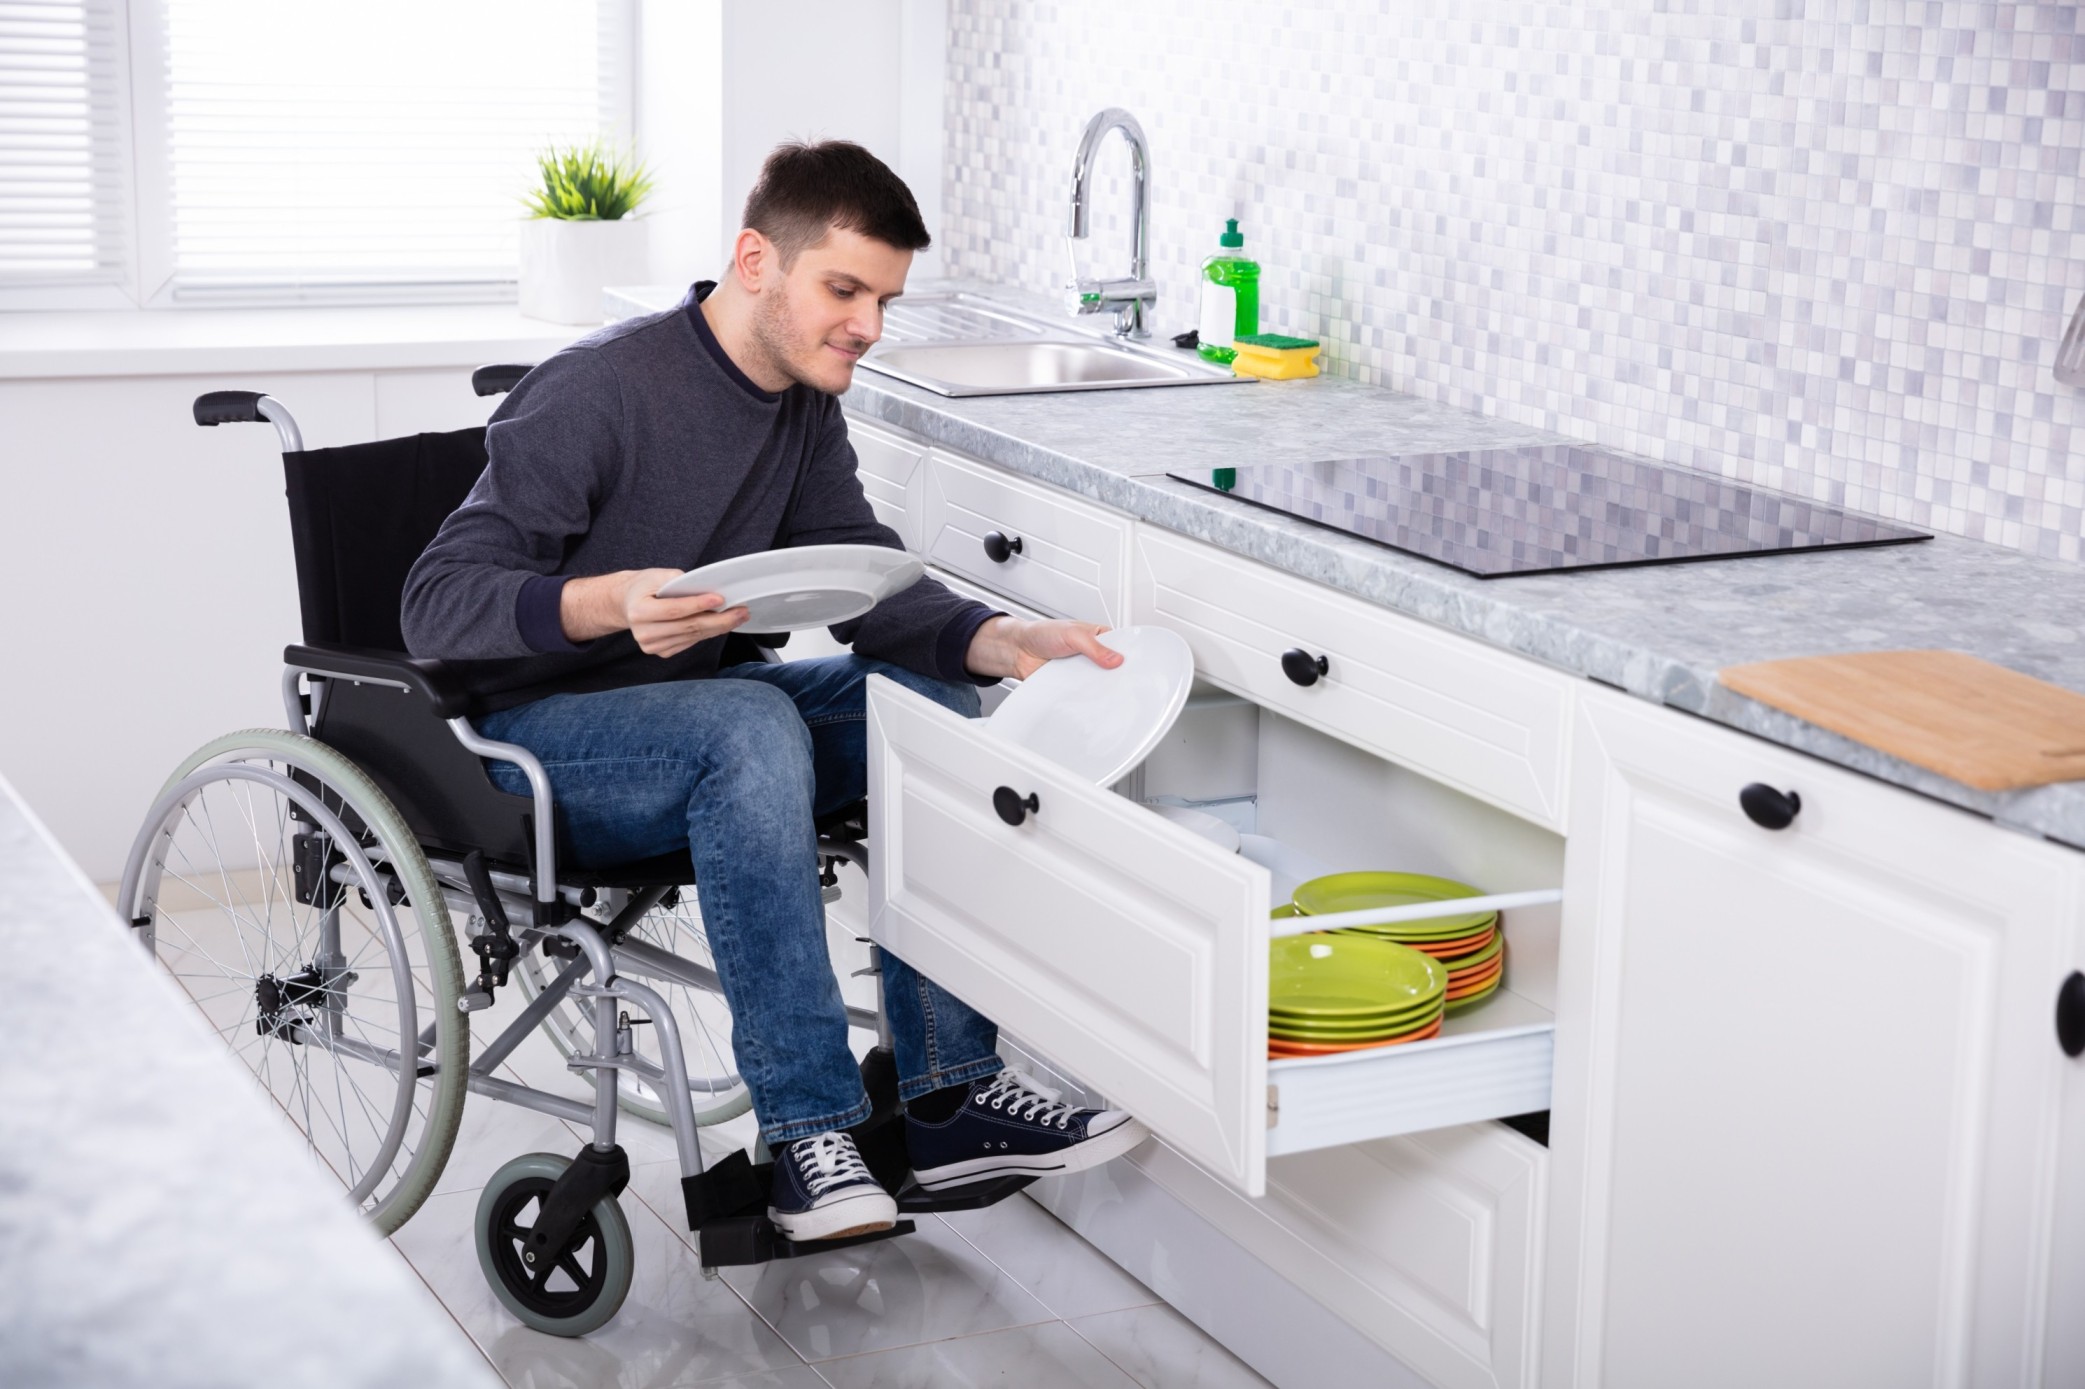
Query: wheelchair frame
[[600, 969]]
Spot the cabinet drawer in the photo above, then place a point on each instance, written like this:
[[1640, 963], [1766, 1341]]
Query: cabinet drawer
[[1072, 556], [889, 464], [1133, 954], [1487, 723]]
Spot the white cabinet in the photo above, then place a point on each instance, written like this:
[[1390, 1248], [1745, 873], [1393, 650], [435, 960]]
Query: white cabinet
[[888, 465], [1808, 1091], [1133, 955], [1482, 721], [1052, 551]]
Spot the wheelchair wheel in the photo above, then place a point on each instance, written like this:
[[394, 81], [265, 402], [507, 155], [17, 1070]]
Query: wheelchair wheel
[[675, 926], [283, 891], [571, 1291]]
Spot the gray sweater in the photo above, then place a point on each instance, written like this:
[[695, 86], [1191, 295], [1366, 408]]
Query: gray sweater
[[643, 446]]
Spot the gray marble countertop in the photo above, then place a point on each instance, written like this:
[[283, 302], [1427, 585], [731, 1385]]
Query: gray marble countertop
[[159, 1225], [1660, 632]]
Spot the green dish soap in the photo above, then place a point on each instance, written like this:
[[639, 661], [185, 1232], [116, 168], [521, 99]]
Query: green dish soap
[[1230, 296]]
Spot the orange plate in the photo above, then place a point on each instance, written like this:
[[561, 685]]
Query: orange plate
[[1474, 986], [1276, 1047], [1449, 949], [1459, 977]]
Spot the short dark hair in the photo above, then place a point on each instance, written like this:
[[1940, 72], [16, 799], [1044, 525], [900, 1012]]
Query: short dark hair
[[805, 190]]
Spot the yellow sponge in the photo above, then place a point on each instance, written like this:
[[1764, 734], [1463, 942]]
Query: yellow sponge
[[1275, 357]]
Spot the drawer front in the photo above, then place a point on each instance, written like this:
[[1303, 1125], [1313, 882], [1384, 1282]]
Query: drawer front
[[1481, 721], [1113, 941], [1073, 556], [889, 466]]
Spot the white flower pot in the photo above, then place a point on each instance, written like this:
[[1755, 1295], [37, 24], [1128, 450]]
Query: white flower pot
[[565, 265]]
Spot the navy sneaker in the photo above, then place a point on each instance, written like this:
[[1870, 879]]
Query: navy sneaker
[[823, 1190], [1009, 1126]]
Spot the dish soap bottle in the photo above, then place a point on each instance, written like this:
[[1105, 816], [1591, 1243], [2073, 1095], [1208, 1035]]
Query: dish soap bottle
[[1230, 296]]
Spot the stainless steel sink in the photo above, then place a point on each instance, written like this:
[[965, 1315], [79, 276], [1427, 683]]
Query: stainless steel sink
[[1004, 353]]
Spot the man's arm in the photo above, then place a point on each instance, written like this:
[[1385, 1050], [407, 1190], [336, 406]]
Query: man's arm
[[553, 449]]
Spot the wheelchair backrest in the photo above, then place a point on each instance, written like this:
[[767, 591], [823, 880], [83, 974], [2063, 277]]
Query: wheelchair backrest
[[360, 515]]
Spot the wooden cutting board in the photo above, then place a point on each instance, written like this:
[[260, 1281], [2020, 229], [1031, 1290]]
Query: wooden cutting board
[[1985, 726]]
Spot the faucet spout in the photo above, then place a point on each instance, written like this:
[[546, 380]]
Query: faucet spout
[[1130, 298]]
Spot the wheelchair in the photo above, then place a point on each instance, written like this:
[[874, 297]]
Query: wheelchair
[[302, 884]]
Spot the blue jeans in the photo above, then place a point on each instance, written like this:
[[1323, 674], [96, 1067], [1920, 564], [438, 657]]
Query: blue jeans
[[735, 768]]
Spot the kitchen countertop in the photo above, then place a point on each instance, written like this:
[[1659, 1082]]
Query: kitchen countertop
[[160, 1223], [1660, 632]]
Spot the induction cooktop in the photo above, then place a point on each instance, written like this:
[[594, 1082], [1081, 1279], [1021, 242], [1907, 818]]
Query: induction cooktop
[[1541, 509]]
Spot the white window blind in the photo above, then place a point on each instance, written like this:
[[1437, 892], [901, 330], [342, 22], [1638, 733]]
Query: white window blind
[[370, 151], [64, 145]]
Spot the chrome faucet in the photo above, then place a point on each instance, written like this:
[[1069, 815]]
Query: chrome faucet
[[1129, 299]]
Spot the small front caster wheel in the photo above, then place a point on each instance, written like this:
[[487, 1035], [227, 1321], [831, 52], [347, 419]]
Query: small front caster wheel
[[567, 1292]]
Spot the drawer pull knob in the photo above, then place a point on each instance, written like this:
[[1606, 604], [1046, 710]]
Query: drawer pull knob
[[999, 548], [1302, 667], [1012, 808], [2070, 1015], [1769, 809]]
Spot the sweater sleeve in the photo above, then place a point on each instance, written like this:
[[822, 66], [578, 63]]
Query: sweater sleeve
[[925, 628], [552, 451]]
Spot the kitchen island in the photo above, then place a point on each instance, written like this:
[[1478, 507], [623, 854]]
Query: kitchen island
[[160, 1222]]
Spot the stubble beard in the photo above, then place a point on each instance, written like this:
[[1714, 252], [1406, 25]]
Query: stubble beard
[[774, 332]]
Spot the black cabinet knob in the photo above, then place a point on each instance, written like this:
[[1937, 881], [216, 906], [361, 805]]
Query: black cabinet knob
[[2070, 1015], [1302, 667], [999, 548], [1012, 808], [1767, 808]]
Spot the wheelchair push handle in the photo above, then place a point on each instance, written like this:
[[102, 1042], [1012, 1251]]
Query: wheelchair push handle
[[499, 378], [228, 407], [246, 407]]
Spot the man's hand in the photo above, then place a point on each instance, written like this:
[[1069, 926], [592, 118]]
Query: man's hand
[[1009, 646], [628, 601]]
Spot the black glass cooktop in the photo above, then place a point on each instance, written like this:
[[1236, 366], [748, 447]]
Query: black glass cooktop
[[1536, 510]]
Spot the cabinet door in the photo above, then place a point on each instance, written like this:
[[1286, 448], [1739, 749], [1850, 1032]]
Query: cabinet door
[[888, 463], [1126, 949], [1807, 1085]]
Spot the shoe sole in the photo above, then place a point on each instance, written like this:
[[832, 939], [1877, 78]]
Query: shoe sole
[[1093, 1152], [857, 1215]]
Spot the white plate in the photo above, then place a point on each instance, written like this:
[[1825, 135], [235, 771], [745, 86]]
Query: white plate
[[1219, 832], [1101, 723], [812, 586]]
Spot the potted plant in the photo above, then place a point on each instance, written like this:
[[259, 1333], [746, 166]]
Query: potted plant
[[580, 235]]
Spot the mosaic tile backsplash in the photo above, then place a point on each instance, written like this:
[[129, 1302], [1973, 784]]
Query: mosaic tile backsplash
[[1827, 248]]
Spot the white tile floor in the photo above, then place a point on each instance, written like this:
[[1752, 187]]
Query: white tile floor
[[1000, 1296]]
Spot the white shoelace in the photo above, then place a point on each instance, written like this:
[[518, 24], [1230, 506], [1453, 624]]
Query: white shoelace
[[829, 1160], [1022, 1098]]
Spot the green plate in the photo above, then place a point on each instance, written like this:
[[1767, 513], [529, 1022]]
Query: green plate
[[1357, 892], [1372, 1022], [1283, 912], [1340, 1032], [1356, 977]]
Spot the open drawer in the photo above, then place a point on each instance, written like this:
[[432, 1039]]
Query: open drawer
[[1133, 954]]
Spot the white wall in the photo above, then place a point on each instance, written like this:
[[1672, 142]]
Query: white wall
[[150, 588]]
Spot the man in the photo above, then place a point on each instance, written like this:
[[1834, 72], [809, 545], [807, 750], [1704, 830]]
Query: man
[[676, 440]]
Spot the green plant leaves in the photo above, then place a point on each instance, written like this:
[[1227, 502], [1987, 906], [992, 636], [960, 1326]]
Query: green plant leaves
[[587, 183]]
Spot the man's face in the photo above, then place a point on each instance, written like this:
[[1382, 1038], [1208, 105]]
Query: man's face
[[815, 320]]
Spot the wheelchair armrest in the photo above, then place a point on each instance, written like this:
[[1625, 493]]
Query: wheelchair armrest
[[434, 681]]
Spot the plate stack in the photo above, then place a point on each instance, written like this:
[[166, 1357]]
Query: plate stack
[[1334, 992], [1471, 947]]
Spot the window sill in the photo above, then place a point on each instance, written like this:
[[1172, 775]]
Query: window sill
[[181, 342]]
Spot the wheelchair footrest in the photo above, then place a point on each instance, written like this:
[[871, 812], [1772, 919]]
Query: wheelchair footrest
[[917, 1200], [752, 1239]]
